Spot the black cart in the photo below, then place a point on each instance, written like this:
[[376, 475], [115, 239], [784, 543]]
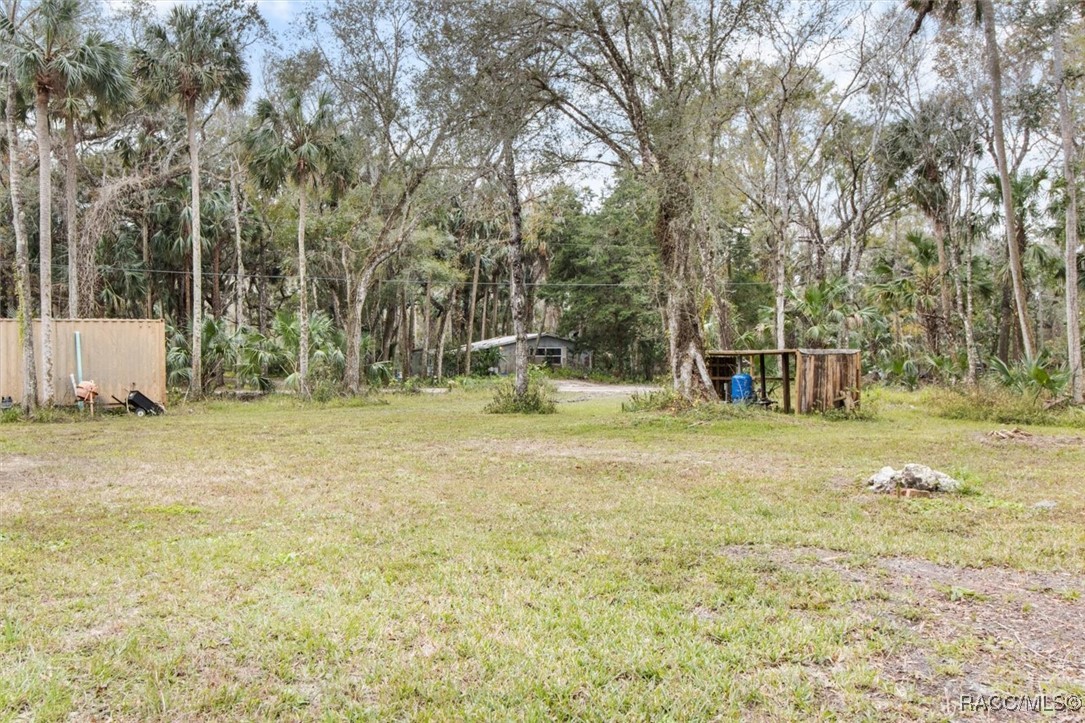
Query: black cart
[[141, 405]]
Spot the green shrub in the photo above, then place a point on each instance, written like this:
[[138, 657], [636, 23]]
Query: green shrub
[[1037, 376], [669, 402], [9, 416], [410, 385], [483, 360], [662, 400], [566, 373], [539, 398], [471, 383], [988, 403], [324, 387], [63, 415]]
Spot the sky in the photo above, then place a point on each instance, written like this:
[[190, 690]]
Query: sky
[[282, 14], [278, 13]]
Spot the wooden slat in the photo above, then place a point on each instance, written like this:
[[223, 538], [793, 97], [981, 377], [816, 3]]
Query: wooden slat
[[117, 353]]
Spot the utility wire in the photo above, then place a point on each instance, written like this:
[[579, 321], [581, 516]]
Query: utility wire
[[311, 277]]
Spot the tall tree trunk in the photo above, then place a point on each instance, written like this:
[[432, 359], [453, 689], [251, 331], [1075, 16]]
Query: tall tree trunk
[[261, 289], [412, 336], [716, 289], [45, 242], [303, 304], [70, 221], [517, 290], [1005, 324], [427, 309], [485, 311], [683, 324], [969, 314], [145, 238], [779, 265], [195, 386], [239, 281], [405, 335], [1073, 311], [963, 298], [1017, 272], [855, 260], [782, 213], [446, 322], [503, 314], [22, 249], [471, 313], [216, 278], [388, 332], [940, 237], [353, 366], [353, 369]]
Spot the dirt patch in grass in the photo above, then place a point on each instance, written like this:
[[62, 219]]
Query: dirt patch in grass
[[16, 472], [724, 460], [14, 467], [1019, 437], [971, 631]]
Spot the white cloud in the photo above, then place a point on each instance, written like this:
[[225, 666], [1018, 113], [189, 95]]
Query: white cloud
[[276, 10]]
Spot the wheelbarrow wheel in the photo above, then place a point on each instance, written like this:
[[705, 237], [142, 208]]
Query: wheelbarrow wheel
[[140, 412]]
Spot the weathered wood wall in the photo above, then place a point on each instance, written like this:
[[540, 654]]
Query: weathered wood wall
[[117, 354], [720, 370], [828, 379]]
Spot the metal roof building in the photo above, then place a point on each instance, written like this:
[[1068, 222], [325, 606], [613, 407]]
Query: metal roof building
[[543, 349]]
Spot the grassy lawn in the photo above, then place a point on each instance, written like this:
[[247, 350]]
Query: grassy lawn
[[420, 559]]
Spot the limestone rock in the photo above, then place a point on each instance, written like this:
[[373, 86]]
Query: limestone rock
[[885, 480], [912, 477]]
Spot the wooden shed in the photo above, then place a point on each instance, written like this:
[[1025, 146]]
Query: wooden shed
[[827, 379], [810, 380], [118, 354]]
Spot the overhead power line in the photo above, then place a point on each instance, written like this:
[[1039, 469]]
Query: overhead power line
[[400, 280]]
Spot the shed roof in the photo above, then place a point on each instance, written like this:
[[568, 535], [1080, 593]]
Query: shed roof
[[511, 339]]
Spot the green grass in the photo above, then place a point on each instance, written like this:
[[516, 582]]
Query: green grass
[[423, 559]]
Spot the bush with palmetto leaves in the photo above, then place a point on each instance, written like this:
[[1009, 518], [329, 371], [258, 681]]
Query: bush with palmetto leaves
[[1037, 376], [220, 353], [279, 350], [256, 358]]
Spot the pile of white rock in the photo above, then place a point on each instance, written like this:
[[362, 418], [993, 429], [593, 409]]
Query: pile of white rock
[[912, 477]]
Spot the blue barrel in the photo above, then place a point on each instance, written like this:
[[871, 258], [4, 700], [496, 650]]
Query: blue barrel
[[741, 388]]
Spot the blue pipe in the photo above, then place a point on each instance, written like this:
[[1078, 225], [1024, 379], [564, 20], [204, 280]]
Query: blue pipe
[[78, 358], [79, 363]]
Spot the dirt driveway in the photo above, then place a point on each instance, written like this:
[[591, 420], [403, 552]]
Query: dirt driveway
[[584, 388]]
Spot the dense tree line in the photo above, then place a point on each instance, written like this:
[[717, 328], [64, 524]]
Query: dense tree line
[[653, 179]]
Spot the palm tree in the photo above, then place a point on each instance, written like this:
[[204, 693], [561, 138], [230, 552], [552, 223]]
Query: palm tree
[[11, 23], [97, 71], [931, 145], [193, 58], [948, 11], [1066, 132], [54, 57], [285, 145]]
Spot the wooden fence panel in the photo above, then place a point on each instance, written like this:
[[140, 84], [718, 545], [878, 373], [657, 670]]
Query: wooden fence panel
[[117, 355], [828, 379]]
